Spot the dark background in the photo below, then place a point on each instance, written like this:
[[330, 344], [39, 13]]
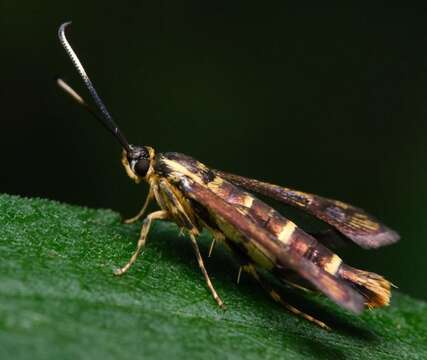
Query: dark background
[[327, 100]]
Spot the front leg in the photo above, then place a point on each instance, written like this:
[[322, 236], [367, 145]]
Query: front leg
[[142, 211], [157, 215]]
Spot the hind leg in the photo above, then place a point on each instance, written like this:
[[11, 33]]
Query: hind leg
[[250, 269]]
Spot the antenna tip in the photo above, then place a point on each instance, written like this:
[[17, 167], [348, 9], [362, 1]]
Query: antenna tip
[[62, 27], [59, 81], [70, 91]]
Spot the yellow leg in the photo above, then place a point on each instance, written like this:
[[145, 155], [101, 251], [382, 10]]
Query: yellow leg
[[239, 274], [142, 211], [211, 247], [296, 286], [217, 236], [205, 273], [276, 297], [157, 215]]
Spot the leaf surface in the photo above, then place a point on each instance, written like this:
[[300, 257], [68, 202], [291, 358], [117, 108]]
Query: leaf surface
[[60, 300]]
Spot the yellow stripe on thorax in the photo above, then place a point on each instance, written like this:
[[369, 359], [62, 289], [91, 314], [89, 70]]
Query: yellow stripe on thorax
[[178, 168]]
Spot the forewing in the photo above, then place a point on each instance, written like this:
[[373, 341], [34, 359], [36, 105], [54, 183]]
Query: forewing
[[352, 222], [335, 289]]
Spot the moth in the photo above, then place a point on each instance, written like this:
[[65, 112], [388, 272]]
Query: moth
[[196, 197]]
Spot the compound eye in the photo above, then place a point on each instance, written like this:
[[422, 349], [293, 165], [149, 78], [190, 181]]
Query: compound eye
[[141, 167]]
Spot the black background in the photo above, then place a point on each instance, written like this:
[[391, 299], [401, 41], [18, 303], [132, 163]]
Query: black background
[[326, 100]]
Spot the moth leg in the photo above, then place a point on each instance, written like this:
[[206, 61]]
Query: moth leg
[[211, 247], [179, 210], [217, 236], [276, 297], [296, 286], [205, 273], [239, 274], [142, 211], [157, 215]]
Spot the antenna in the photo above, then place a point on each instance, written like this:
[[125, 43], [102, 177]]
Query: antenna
[[105, 118]]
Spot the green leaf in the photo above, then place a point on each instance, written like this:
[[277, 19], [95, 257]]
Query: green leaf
[[60, 300]]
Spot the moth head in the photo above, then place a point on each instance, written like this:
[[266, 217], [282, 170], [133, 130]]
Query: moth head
[[137, 161]]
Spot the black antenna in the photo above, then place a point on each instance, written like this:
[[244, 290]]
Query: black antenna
[[106, 119]]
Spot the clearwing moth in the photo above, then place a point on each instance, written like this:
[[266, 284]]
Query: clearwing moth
[[196, 197]]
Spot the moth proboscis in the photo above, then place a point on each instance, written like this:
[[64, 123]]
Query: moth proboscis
[[196, 197]]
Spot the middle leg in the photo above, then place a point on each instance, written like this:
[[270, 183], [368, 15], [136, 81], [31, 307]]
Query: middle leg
[[205, 273]]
